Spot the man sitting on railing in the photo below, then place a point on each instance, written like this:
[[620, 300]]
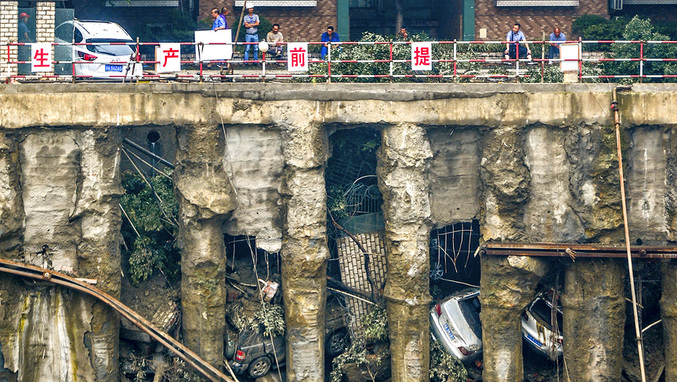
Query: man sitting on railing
[[557, 35], [275, 39], [514, 37]]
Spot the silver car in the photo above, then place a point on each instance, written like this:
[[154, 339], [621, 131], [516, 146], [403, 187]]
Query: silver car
[[538, 321], [455, 323]]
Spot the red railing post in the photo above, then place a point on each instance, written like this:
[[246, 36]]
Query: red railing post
[[580, 59], [641, 61], [455, 63], [391, 60]]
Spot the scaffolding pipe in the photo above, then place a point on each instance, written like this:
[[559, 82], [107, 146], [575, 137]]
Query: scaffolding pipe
[[617, 126]]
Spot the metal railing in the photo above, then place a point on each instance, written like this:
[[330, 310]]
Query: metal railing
[[453, 61]]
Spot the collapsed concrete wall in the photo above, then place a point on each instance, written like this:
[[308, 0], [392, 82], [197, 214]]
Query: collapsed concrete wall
[[532, 163]]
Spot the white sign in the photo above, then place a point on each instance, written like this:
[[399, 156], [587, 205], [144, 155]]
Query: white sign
[[297, 56], [214, 45], [421, 56], [568, 52], [41, 57], [168, 57]]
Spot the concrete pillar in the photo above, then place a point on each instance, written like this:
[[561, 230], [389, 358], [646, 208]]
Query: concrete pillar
[[508, 285], [11, 211], [9, 21], [669, 315], [206, 197], [594, 319], [44, 21], [99, 250], [403, 158], [304, 249], [49, 195]]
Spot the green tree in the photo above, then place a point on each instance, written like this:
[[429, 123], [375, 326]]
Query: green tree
[[639, 29], [150, 230]]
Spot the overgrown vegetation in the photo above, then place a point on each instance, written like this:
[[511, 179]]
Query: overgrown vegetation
[[443, 366], [356, 148], [151, 230], [639, 29], [362, 351], [268, 319]]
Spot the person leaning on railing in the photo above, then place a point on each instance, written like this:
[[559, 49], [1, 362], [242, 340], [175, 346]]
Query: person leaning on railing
[[328, 36]]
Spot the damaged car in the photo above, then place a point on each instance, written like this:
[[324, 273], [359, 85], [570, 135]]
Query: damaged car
[[542, 325], [254, 353], [455, 323]]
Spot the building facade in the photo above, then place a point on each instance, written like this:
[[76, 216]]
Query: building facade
[[495, 18]]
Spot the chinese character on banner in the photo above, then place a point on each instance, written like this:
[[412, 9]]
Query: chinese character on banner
[[169, 58], [297, 59], [41, 57], [421, 56]]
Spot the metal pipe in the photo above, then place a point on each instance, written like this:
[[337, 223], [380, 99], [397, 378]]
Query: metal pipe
[[34, 272], [617, 126], [150, 154]]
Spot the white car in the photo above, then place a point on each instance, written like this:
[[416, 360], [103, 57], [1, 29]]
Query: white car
[[538, 321], [455, 323], [109, 53]]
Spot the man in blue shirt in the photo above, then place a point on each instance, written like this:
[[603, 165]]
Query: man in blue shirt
[[219, 22], [328, 36], [251, 23], [554, 47], [513, 38]]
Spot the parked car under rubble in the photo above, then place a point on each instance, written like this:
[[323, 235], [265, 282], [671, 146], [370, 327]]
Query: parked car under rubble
[[254, 354], [538, 321], [455, 323]]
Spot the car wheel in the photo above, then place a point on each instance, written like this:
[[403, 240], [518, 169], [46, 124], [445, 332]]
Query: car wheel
[[337, 342], [259, 367]]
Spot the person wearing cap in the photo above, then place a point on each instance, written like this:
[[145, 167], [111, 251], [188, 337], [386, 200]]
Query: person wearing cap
[[23, 28], [251, 23]]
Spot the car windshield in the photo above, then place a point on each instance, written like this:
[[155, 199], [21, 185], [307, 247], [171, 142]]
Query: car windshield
[[542, 312], [471, 311], [113, 50]]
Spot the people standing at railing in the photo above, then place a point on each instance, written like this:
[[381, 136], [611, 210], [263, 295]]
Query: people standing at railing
[[328, 37], [219, 22], [403, 34], [251, 23], [224, 13], [275, 40], [556, 35], [513, 46]]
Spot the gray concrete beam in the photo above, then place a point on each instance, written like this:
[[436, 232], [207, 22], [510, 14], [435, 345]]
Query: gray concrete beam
[[403, 159], [593, 305], [304, 248], [206, 197]]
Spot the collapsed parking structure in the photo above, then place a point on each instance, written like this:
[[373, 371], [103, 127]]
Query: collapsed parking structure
[[532, 163]]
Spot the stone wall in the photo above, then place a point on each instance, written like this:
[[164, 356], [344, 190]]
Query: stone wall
[[532, 163], [9, 18]]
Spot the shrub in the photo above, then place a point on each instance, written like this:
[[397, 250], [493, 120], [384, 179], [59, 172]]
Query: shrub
[[153, 250], [642, 29], [443, 366]]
